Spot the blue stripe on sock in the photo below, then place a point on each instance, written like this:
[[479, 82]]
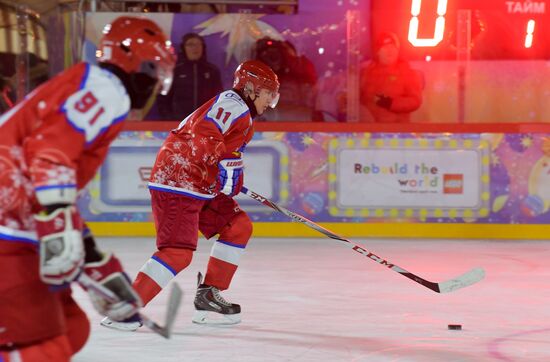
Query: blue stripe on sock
[[164, 264], [231, 244]]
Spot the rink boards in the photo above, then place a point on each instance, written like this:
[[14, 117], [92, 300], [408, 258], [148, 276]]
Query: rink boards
[[387, 184]]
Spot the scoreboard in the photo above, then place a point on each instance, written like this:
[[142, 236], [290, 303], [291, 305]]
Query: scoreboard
[[485, 29]]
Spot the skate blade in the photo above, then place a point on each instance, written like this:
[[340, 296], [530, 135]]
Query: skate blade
[[213, 318], [120, 326]]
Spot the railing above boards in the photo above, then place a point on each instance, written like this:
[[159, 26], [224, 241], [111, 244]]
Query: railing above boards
[[238, 2], [365, 127]]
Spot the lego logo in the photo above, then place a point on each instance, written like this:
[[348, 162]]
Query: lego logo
[[453, 183]]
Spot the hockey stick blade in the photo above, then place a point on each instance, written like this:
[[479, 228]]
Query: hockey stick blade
[[174, 302], [471, 277]]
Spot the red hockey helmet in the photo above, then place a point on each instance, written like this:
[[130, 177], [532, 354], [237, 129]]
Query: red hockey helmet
[[138, 45], [260, 75]]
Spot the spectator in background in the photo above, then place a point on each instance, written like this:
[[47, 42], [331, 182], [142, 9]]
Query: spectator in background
[[297, 76], [332, 99], [195, 80], [390, 89]]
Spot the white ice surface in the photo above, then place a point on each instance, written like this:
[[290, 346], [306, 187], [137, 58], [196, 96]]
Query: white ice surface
[[315, 300]]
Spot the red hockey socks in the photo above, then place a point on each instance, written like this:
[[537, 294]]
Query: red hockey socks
[[227, 251], [159, 270]]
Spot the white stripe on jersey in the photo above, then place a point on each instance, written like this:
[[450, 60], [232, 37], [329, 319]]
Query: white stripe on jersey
[[179, 190], [18, 235]]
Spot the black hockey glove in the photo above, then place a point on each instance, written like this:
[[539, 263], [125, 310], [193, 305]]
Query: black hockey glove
[[384, 101]]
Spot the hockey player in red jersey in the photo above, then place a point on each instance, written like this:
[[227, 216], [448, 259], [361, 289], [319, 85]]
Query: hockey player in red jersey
[[51, 145], [198, 170]]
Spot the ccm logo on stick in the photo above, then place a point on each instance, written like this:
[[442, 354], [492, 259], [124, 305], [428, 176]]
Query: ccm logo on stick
[[374, 257]]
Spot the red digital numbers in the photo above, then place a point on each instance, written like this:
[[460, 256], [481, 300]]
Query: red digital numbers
[[414, 24], [220, 113], [416, 7], [529, 36]]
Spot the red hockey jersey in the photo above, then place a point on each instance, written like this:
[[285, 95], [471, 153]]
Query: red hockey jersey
[[187, 162], [52, 143]]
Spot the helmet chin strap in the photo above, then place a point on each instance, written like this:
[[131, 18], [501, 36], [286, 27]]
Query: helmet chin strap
[[249, 101], [252, 106]]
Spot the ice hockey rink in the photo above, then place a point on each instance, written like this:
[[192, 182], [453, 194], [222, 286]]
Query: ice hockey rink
[[316, 300]]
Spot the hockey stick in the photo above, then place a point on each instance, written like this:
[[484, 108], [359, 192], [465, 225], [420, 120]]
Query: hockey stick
[[174, 301], [471, 277]]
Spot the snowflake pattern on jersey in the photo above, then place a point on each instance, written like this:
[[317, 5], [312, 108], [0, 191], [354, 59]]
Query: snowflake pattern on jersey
[[16, 190], [16, 154], [7, 197], [159, 177], [16, 178], [52, 171], [185, 165], [178, 159], [193, 148], [12, 223], [61, 175]]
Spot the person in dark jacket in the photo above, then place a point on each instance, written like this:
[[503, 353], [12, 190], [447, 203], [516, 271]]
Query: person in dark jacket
[[390, 89], [298, 79], [195, 80]]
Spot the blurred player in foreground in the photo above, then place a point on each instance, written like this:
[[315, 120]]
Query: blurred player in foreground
[[52, 144], [198, 170]]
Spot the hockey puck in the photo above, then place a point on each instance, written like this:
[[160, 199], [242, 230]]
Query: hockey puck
[[455, 327]]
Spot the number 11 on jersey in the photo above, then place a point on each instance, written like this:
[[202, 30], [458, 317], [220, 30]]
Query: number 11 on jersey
[[220, 113]]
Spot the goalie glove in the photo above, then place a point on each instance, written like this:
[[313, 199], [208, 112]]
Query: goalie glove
[[61, 246], [108, 272], [231, 174]]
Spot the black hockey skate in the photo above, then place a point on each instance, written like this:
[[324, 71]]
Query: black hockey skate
[[212, 308]]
